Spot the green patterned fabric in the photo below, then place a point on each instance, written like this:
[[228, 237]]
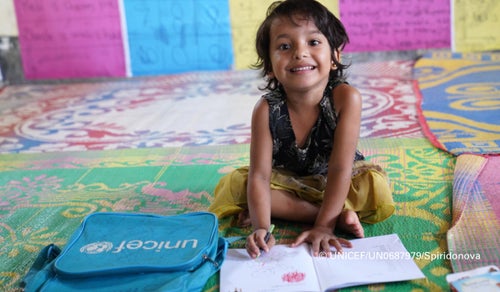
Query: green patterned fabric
[[44, 197]]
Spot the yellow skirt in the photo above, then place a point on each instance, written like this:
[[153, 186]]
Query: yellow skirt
[[370, 195]]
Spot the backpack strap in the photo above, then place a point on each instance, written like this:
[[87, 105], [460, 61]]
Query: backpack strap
[[233, 239], [40, 271]]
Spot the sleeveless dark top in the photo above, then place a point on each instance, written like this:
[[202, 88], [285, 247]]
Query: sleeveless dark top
[[313, 157]]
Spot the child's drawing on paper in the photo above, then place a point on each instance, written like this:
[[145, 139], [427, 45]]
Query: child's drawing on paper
[[280, 269], [270, 263], [293, 277]]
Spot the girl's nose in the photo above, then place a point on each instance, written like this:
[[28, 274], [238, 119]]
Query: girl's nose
[[301, 52]]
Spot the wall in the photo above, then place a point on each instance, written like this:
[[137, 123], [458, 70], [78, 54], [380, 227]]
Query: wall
[[60, 39]]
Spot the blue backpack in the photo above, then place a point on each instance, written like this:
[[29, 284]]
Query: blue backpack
[[133, 252]]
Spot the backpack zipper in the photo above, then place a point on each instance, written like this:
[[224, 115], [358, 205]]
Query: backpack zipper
[[207, 258]]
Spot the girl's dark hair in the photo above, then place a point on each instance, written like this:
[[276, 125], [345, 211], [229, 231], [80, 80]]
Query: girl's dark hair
[[325, 21]]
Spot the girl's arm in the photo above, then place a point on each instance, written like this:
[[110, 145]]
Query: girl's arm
[[258, 188], [347, 102]]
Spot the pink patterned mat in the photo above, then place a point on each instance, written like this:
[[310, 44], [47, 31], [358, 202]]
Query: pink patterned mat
[[490, 183], [205, 108]]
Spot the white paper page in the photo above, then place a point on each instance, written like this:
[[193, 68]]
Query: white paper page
[[282, 269], [370, 260], [470, 273]]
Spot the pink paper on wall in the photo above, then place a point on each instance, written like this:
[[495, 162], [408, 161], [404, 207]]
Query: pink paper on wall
[[70, 38], [386, 25]]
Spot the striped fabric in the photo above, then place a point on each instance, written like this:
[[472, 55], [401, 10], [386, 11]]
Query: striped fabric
[[474, 237]]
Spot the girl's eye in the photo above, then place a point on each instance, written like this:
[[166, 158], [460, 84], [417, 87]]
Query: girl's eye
[[284, 47], [314, 43]]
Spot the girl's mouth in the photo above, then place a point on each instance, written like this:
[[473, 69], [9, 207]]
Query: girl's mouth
[[304, 68]]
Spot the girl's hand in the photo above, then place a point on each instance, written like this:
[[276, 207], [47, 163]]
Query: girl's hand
[[321, 238], [256, 243]]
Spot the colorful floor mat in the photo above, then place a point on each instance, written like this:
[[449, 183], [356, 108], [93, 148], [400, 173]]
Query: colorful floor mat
[[475, 231], [177, 110], [460, 107], [389, 98], [207, 108], [44, 196]]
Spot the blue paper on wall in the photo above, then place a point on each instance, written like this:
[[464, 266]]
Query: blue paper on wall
[[171, 36]]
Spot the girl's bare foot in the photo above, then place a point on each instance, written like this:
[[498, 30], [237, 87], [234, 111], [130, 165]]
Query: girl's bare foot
[[349, 222]]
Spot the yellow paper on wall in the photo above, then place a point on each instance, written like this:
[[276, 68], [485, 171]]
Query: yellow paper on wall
[[475, 25], [246, 16], [8, 24]]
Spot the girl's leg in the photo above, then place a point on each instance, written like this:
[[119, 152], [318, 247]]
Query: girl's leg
[[287, 206]]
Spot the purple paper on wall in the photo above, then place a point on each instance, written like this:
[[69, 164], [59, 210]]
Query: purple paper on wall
[[387, 25], [70, 38]]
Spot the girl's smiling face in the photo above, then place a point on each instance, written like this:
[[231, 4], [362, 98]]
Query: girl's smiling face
[[300, 55]]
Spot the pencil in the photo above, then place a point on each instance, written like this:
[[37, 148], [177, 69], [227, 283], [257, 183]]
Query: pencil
[[269, 232], [267, 237]]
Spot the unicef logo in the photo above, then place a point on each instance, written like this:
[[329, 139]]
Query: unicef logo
[[96, 247], [136, 245]]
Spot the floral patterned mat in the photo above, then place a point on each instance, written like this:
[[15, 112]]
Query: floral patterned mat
[[202, 108], [44, 197]]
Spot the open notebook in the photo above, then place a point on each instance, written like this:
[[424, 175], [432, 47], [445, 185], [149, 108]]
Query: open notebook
[[370, 260]]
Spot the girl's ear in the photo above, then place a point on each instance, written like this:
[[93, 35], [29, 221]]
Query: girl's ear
[[270, 75], [336, 54]]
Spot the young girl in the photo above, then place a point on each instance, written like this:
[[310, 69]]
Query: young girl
[[304, 165]]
